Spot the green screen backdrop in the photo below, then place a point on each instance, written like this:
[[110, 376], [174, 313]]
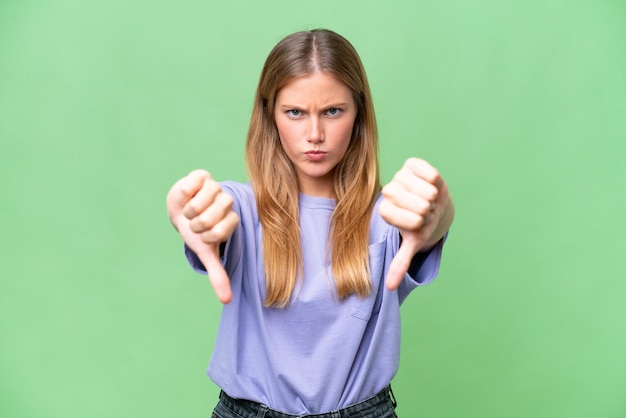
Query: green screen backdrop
[[520, 104]]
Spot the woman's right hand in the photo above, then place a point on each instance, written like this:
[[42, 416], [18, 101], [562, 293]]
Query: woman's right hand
[[202, 214]]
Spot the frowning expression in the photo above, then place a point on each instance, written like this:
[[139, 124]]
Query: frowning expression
[[314, 115]]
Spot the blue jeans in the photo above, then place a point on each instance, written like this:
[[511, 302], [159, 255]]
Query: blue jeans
[[378, 406]]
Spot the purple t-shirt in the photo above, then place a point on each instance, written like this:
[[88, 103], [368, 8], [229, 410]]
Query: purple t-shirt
[[319, 354]]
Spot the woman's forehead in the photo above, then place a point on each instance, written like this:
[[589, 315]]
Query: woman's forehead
[[317, 85]]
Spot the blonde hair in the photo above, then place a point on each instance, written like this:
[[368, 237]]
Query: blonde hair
[[273, 179]]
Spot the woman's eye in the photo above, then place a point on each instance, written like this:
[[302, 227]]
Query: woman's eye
[[294, 112], [333, 111]]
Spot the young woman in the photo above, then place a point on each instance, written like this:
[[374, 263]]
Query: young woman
[[311, 258]]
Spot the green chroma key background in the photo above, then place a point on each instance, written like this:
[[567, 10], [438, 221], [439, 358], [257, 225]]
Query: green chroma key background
[[520, 104]]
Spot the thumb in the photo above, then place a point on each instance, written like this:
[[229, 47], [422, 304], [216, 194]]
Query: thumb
[[218, 277], [398, 267]]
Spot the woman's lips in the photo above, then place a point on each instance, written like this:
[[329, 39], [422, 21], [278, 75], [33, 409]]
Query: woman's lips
[[315, 155]]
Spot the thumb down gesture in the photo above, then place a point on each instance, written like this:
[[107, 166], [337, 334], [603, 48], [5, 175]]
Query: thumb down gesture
[[417, 202], [202, 214]]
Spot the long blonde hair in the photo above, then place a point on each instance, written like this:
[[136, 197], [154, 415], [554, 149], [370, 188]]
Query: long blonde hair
[[273, 179]]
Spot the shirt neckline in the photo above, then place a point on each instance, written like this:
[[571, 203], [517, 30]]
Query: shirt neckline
[[315, 202]]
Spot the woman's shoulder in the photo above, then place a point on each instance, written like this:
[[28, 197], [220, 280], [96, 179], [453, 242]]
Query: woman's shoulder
[[242, 194], [236, 187], [379, 229]]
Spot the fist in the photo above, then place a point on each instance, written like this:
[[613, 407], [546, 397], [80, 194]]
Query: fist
[[202, 214], [414, 202]]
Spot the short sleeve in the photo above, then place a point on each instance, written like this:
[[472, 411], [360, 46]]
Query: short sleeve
[[194, 261], [423, 269]]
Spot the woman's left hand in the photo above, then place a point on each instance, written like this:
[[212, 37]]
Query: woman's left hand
[[417, 202]]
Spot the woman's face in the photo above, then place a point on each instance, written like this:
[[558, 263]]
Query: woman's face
[[314, 115]]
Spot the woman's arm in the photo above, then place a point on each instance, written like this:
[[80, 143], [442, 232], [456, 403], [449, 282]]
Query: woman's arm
[[202, 214], [418, 203]]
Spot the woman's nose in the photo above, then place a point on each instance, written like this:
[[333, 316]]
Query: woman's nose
[[316, 133]]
